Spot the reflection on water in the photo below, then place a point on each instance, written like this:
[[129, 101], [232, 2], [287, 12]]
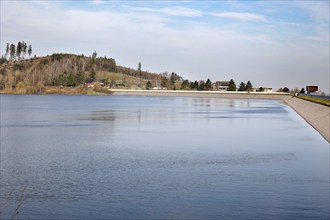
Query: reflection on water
[[83, 157]]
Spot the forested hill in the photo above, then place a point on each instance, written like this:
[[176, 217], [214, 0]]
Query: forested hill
[[34, 75]]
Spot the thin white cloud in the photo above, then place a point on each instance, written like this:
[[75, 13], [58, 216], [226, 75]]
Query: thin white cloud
[[98, 2], [172, 11], [241, 16], [181, 11], [315, 38]]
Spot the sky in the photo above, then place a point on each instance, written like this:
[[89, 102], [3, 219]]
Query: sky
[[270, 43]]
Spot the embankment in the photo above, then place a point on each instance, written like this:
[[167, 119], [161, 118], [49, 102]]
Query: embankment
[[205, 94], [317, 115]]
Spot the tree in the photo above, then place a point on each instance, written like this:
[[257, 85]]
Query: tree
[[261, 89], [12, 51], [3, 59], [30, 50], [201, 86], [139, 67], [92, 74], [7, 50], [302, 91], [194, 85], [242, 87], [19, 49], [185, 84], [148, 85], [24, 48], [232, 85], [286, 89], [171, 83], [248, 86], [163, 83], [208, 85], [94, 55], [294, 91]]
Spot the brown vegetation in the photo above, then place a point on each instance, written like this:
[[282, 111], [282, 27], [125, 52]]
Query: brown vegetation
[[66, 74]]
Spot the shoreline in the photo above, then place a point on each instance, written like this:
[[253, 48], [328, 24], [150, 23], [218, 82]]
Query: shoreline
[[204, 94], [317, 115]]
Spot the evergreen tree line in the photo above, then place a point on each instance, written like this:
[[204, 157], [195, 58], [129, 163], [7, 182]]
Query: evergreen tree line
[[242, 86], [171, 82]]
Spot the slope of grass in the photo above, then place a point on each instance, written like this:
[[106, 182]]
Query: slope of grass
[[316, 100]]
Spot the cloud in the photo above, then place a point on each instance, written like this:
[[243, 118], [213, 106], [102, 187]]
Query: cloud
[[314, 38], [181, 11], [316, 10], [195, 51], [98, 2], [172, 11], [241, 16]]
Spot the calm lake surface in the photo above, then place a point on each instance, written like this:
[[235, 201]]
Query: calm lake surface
[[118, 157]]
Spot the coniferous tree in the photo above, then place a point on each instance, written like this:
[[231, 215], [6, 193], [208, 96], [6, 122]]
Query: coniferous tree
[[12, 51], [139, 67], [94, 55], [208, 85], [19, 49], [30, 50], [24, 48], [7, 50], [232, 85], [248, 86], [148, 85], [194, 85], [185, 85], [201, 85], [92, 74], [242, 87]]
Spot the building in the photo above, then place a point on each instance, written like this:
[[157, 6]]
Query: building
[[90, 83], [221, 85], [266, 89], [311, 89]]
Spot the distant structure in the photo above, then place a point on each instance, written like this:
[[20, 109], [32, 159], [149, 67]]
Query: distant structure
[[90, 82], [311, 89], [221, 85], [266, 89]]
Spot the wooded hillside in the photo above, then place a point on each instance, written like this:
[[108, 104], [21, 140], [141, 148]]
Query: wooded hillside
[[68, 70]]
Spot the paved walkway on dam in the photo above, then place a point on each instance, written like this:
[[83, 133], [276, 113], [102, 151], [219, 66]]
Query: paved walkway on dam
[[317, 115]]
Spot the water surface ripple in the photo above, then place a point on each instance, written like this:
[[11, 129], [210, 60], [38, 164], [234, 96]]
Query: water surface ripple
[[126, 157]]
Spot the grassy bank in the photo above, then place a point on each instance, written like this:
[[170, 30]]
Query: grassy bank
[[316, 100], [57, 90]]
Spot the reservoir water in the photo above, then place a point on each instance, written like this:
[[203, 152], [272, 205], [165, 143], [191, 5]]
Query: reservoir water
[[121, 157]]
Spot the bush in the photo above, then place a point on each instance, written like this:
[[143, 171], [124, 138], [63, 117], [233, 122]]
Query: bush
[[18, 66]]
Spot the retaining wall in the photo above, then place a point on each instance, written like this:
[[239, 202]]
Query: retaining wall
[[317, 115]]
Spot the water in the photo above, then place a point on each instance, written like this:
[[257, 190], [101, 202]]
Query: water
[[117, 157]]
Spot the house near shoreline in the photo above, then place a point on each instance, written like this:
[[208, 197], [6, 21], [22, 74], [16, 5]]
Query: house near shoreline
[[221, 85], [90, 82], [264, 89]]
